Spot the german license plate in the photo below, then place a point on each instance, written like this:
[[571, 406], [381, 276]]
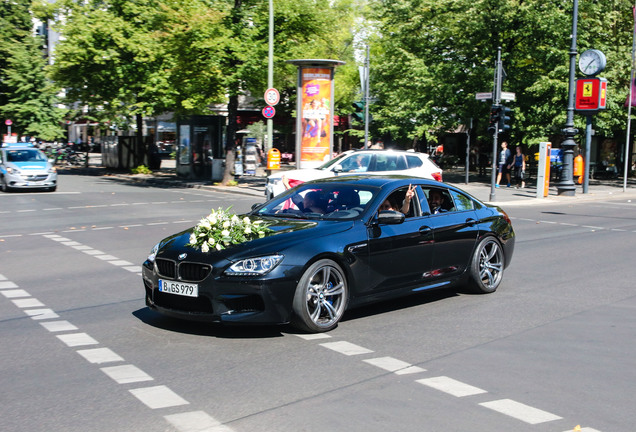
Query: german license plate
[[179, 288]]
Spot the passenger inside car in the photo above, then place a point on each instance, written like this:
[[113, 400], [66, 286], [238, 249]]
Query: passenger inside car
[[439, 201]]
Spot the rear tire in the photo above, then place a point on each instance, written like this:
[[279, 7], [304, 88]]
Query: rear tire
[[321, 297], [487, 267]]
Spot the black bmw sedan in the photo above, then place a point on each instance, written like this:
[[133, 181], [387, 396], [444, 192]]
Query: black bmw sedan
[[326, 246]]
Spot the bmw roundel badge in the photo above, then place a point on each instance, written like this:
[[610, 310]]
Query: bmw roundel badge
[[183, 256]]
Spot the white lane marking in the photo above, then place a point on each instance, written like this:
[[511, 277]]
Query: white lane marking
[[40, 233], [57, 326], [74, 230], [11, 236], [82, 247], [100, 355], [313, 336], [53, 208], [121, 263], [70, 243], [451, 386], [520, 411], [59, 239], [125, 374], [158, 397], [41, 314], [133, 269], [28, 303], [3, 277], [394, 365], [196, 421], [130, 226], [568, 224], [346, 348], [77, 339], [15, 293], [25, 211], [118, 205], [102, 228], [106, 257], [156, 223], [592, 227], [93, 252], [547, 222]]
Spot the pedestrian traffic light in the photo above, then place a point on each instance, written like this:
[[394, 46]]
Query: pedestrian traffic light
[[495, 111], [504, 118], [358, 115]]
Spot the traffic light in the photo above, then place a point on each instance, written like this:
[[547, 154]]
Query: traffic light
[[504, 116], [495, 112], [358, 115]]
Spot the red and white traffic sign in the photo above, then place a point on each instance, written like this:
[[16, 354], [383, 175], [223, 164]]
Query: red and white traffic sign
[[8, 122], [269, 112], [272, 97]]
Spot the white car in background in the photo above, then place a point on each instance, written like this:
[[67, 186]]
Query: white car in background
[[356, 162]]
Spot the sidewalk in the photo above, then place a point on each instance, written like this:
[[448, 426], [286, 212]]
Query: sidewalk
[[477, 186]]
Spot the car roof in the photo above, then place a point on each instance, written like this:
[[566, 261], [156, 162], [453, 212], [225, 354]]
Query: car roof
[[387, 151], [18, 145], [376, 180]]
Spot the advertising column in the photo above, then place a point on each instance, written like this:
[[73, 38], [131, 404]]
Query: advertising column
[[314, 122]]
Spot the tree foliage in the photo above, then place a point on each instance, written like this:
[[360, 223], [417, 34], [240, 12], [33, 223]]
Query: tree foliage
[[27, 97], [430, 57]]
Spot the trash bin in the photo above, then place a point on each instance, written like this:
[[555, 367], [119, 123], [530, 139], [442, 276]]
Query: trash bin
[[273, 159]]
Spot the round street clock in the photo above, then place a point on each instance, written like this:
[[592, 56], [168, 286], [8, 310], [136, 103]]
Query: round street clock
[[592, 62]]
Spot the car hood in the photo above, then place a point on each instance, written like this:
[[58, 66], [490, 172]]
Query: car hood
[[285, 233], [304, 174], [29, 166]]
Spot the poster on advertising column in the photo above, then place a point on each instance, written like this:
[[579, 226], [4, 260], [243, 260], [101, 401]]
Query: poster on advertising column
[[316, 115]]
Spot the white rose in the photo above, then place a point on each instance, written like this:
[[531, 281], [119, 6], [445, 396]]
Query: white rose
[[218, 246], [226, 224], [205, 223], [193, 238], [204, 248], [225, 233], [235, 219], [248, 230], [246, 220], [213, 220], [211, 242]]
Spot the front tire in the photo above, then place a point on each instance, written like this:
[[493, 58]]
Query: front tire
[[4, 185], [487, 267], [321, 297]]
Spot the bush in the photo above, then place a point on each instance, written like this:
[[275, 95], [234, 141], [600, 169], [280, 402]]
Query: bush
[[141, 169]]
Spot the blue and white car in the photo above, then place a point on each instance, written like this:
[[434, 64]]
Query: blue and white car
[[25, 167]]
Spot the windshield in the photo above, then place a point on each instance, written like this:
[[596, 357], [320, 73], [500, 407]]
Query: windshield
[[27, 155], [328, 201], [333, 161]]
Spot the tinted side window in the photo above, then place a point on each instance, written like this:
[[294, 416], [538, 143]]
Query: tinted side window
[[462, 202], [413, 161]]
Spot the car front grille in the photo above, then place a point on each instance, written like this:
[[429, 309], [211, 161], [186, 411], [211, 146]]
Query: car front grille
[[199, 304], [36, 177], [185, 271]]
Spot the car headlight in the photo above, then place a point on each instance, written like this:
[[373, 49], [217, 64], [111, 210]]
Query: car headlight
[[257, 266], [153, 253], [52, 170], [12, 170]]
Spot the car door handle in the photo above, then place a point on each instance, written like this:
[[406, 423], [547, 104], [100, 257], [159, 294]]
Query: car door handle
[[425, 230], [471, 222]]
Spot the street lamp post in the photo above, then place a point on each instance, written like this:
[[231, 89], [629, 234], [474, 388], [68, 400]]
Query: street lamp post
[[566, 186]]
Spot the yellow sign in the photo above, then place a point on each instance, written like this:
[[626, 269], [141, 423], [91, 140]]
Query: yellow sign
[[588, 88]]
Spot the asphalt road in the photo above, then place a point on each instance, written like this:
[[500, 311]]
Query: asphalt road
[[79, 351]]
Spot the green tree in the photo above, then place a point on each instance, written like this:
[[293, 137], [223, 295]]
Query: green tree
[[431, 57], [27, 97]]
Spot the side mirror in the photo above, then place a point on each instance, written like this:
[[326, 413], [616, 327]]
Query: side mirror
[[390, 217], [256, 205], [337, 168]]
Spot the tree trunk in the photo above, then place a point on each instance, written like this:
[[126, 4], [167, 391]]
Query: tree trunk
[[140, 148], [230, 143]]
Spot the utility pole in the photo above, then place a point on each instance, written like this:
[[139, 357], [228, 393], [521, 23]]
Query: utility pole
[[496, 95], [270, 75], [566, 186], [366, 99]]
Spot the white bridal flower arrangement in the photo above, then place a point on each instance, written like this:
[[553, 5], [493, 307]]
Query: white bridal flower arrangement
[[221, 228]]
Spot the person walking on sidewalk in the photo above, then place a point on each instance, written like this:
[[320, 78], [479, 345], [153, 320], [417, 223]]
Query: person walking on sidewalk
[[504, 162], [519, 166]]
